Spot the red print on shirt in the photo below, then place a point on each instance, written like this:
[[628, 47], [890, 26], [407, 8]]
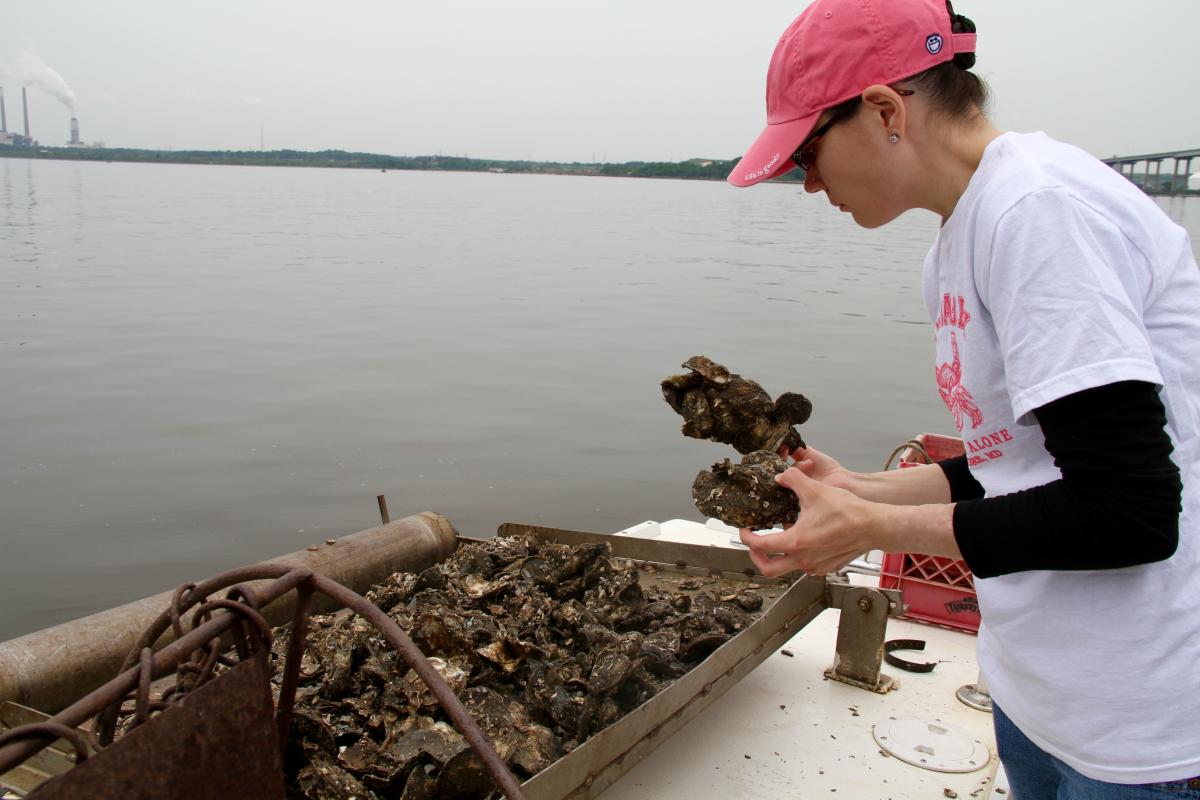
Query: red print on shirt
[[954, 395], [953, 313]]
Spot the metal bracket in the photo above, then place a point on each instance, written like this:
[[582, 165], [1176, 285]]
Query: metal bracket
[[836, 587], [861, 632]]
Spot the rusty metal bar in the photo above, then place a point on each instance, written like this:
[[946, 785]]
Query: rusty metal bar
[[291, 667], [51, 668], [40, 731], [383, 510]]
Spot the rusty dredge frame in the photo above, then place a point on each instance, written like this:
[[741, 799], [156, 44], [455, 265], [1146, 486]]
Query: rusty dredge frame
[[220, 727]]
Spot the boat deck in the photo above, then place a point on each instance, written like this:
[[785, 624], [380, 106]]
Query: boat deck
[[786, 731]]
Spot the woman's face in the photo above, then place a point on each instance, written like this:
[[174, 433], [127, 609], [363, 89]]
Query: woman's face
[[849, 165]]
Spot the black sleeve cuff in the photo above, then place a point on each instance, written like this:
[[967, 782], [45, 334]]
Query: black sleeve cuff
[[963, 485]]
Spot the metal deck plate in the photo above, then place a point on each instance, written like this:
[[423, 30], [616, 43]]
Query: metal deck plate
[[970, 695]]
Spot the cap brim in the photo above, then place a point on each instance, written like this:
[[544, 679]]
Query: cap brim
[[771, 154]]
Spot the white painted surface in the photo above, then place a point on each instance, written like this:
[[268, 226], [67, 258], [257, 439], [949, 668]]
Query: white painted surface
[[786, 731]]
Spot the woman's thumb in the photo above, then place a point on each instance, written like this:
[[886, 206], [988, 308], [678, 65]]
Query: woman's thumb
[[794, 478]]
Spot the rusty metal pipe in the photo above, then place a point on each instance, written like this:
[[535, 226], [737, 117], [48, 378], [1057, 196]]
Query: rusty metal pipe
[[51, 668]]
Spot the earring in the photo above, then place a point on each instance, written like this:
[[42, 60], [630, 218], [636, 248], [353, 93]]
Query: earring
[[895, 137]]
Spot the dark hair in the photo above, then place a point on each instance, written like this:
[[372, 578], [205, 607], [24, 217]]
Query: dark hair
[[950, 88]]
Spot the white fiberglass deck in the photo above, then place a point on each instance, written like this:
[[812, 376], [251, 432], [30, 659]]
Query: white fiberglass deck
[[786, 731]]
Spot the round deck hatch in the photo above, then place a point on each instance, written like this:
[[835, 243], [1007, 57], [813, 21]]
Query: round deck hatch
[[931, 744]]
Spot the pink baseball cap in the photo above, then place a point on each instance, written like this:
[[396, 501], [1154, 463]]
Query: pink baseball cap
[[832, 52]]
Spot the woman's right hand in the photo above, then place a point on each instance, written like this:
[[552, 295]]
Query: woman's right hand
[[823, 468]]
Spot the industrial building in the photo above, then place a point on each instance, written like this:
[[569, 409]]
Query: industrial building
[[12, 139], [15, 139]]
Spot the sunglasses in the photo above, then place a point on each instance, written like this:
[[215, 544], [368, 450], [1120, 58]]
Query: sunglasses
[[806, 154]]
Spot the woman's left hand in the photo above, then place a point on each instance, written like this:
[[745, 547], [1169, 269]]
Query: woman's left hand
[[832, 529]]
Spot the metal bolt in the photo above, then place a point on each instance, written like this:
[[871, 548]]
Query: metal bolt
[[864, 603]]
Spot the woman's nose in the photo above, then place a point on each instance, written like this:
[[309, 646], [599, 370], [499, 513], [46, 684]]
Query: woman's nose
[[812, 180]]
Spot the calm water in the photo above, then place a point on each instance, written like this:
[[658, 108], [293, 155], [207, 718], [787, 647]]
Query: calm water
[[205, 366]]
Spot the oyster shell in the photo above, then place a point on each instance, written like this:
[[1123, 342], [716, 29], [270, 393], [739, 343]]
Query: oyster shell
[[322, 780], [464, 777]]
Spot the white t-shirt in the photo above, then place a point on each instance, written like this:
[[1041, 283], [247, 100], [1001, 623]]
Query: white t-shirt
[[1055, 274]]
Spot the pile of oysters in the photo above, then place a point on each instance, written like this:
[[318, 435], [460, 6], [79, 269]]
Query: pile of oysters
[[545, 644], [722, 406]]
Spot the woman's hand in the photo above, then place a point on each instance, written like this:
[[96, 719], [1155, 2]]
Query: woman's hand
[[823, 468], [833, 527]]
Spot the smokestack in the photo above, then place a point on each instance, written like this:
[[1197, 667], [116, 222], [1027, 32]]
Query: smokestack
[[75, 131], [3, 116], [25, 106]]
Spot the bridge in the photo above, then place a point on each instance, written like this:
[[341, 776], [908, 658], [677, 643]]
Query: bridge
[[1152, 179]]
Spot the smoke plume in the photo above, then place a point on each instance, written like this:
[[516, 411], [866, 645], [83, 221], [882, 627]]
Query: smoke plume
[[30, 70]]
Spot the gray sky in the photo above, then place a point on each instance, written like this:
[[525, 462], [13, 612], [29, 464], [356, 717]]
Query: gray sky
[[549, 80]]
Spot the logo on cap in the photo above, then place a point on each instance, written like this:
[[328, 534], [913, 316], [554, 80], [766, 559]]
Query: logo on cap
[[766, 168], [933, 43]]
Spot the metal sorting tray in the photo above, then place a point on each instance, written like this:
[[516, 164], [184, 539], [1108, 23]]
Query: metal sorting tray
[[787, 607]]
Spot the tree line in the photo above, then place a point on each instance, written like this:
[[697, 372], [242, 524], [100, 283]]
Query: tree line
[[695, 169]]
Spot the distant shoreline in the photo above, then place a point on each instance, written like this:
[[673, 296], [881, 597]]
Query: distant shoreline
[[692, 169]]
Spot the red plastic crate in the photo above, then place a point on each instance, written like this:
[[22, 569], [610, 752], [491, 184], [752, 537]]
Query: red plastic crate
[[936, 589], [936, 446]]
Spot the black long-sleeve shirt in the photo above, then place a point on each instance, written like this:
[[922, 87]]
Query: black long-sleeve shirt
[[1116, 505]]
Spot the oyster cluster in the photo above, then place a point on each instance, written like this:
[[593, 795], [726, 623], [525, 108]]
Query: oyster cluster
[[545, 644], [745, 495], [722, 406]]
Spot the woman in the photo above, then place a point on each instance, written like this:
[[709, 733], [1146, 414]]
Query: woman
[[1067, 314]]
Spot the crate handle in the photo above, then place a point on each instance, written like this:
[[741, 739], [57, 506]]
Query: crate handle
[[915, 445]]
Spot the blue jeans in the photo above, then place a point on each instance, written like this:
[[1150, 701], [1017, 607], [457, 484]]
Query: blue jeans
[[1034, 774]]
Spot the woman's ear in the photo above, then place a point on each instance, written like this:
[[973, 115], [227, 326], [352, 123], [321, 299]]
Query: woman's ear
[[886, 107]]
